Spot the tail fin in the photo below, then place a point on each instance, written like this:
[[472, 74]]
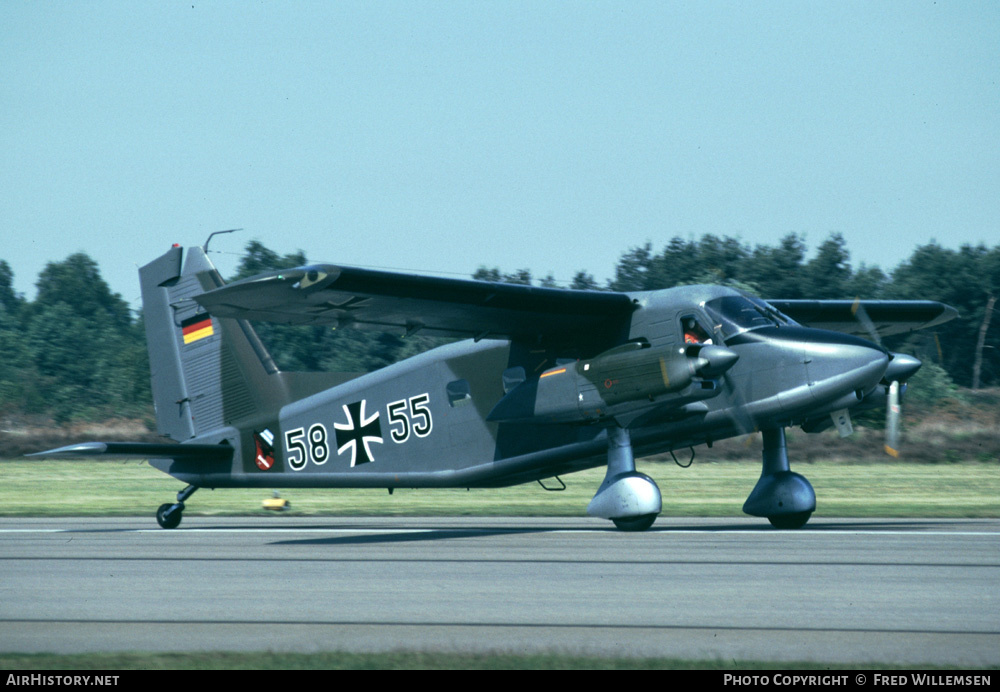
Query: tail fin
[[207, 372]]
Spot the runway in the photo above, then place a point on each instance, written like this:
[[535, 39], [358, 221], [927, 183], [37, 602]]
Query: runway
[[839, 591]]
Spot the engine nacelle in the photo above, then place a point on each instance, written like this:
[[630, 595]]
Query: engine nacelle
[[624, 379]]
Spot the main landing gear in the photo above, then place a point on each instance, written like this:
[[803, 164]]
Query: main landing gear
[[784, 497], [628, 498], [169, 515]]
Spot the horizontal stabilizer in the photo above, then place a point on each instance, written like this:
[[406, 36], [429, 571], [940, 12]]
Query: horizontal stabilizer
[[139, 450]]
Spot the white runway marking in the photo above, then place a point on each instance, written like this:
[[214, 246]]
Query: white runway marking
[[763, 531]]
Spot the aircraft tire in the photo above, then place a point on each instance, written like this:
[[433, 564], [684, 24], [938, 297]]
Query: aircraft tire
[[640, 523], [790, 521], [167, 519]]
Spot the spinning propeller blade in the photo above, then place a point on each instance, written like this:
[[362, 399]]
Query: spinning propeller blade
[[892, 420], [901, 367]]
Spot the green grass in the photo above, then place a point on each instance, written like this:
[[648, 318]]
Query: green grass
[[843, 489], [399, 660]]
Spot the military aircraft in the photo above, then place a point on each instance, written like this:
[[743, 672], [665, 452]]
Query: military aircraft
[[543, 382]]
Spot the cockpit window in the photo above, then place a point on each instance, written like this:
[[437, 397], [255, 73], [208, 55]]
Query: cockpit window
[[735, 314], [777, 315], [694, 333]]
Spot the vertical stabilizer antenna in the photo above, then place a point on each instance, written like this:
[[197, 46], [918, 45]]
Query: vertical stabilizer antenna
[[205, 246]]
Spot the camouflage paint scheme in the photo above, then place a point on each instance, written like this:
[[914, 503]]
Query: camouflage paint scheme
[[543, 382]]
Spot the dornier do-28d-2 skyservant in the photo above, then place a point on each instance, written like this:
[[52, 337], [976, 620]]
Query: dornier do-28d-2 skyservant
[[542, 382]]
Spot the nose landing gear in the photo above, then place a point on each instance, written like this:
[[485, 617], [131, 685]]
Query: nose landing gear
[[786, 498]]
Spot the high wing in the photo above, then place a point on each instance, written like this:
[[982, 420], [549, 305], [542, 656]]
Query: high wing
[[343, 296], [863, 317]]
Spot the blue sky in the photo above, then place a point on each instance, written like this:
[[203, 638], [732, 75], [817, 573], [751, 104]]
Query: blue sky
[[442, 136]]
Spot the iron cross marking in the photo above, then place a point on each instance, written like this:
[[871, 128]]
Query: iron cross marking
[[358, 433]]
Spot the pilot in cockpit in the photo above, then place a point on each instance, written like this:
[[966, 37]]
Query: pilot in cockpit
[[693, 333]]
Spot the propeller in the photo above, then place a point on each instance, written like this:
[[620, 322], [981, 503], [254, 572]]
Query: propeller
[[892, 421], [720, 360], [901, 367]]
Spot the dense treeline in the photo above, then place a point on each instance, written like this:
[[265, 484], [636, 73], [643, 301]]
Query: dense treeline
[[77, 352]]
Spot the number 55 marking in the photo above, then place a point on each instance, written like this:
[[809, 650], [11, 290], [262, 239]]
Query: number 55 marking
[[410, 415]]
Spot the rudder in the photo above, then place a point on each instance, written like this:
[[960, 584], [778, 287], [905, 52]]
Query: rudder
[[206, 372]]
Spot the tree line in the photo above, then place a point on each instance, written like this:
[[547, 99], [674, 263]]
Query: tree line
[[76, 352]]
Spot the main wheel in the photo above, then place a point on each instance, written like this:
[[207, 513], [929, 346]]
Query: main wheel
[[640, 523], [167, 519], [790, 521]]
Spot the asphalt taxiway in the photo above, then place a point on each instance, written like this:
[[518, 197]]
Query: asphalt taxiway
[[908, 591]]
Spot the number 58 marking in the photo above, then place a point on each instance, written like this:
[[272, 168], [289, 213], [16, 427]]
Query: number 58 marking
[[298, 454], [410, 416]]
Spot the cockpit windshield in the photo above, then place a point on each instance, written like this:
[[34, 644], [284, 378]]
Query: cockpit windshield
[[735, 314]]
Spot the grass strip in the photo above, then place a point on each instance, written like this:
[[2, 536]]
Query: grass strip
[[968, 489], [398, 660]]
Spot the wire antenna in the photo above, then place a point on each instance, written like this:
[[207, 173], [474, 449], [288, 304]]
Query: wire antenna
[[231, 230]]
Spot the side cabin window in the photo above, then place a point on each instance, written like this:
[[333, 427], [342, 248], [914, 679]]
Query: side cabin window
[[513, 377], [459, 393], [694, 332]]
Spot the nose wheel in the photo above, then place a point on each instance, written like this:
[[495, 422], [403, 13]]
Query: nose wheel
[[169, 515], [790, 521], [786, 498]]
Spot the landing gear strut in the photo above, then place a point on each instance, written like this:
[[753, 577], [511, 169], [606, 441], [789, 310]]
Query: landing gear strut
[[784, 497], [628, 498], [169, 515]]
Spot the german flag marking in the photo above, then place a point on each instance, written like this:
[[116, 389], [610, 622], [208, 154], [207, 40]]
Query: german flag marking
[[197, 328]]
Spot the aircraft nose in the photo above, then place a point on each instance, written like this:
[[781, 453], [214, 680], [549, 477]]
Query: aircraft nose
[[804, 369], [838, 362]]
